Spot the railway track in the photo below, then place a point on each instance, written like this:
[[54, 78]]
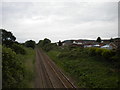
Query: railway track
[[49, 74]]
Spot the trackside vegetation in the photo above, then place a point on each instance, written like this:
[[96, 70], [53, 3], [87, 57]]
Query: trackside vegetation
[[17, 63], [90, 67], [28, 61], [46, 45]]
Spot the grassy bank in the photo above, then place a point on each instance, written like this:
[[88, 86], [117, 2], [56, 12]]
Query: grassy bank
[[88, 71], [29, 65]]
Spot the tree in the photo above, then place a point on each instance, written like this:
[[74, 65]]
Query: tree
[[7, 38], [12, 69], [111, 40], [46, 41], [98, 40], [40, 43], [60, 43], [30, 43], [19, 49], [46, 44]]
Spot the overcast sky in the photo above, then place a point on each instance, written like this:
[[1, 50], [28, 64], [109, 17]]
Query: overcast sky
[[60, 20]]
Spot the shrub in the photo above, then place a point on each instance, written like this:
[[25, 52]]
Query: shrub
[[107, 54], [12, 69], [92, 52], [18, 49], [30, 44], [47, 47], [74, 53], [50, 46], [115, 58], [99, 51], [63, 55]]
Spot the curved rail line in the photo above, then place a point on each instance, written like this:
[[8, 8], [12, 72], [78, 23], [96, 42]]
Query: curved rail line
[[46, 76], [59, 74], [43, 65], [41, 76], [62, 73]]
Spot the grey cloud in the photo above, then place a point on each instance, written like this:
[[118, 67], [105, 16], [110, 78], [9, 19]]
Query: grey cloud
[[60, 20]]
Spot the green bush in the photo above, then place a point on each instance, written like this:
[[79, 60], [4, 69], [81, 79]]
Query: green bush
[[91, 51], [30, 43], [63, 55], [46, 48], [107, 54], [99, 51], [73, 53], [18, 49], [12, 69], [116, 58], [49, 46]]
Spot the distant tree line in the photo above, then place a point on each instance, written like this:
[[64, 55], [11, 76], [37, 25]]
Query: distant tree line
[[30, 43], [46, 44]]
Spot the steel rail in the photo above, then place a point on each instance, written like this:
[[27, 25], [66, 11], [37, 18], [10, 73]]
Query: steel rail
[[37, 54], [45, 69], [63, 74], [56, 74], [50, 62]]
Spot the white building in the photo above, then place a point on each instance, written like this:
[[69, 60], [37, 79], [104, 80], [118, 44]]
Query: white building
[[109, 46]]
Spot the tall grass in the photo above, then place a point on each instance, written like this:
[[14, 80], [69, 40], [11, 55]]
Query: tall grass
[[89, 71], [29, 65]]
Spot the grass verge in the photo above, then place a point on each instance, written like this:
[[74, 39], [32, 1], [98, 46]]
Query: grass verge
[[29, 65]]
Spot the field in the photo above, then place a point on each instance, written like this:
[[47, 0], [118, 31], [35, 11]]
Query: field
[[88, 71]]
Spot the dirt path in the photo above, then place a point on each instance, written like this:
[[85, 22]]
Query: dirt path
[[48, 75]]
